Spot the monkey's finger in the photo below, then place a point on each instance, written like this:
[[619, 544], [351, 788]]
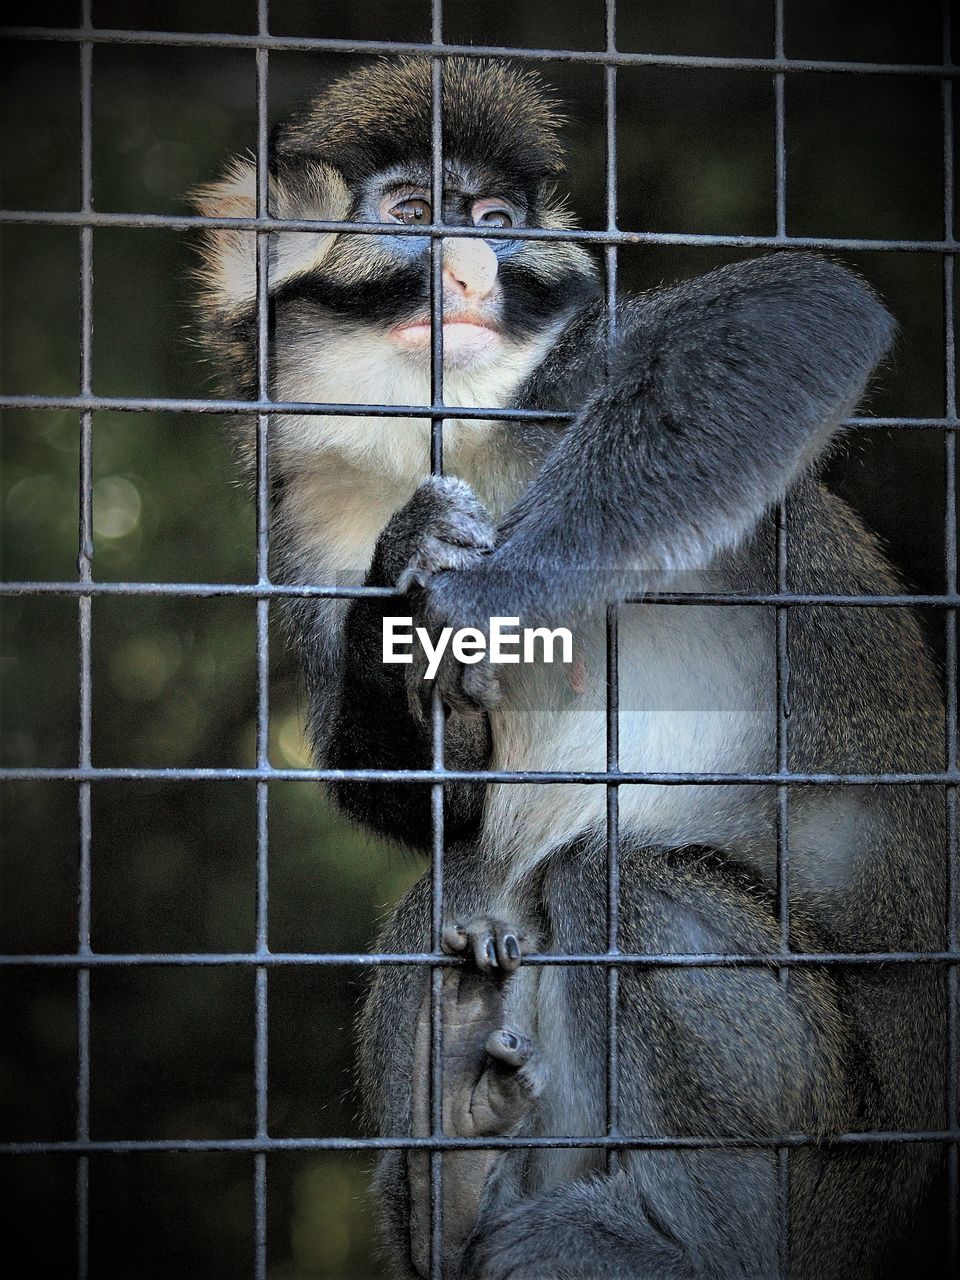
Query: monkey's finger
[[449, 680], [481, 686], [467, 689], [510, 1048], [493, 945], [454, 939], [415, 703], [507, 941], [437, 554], [414, 577], [419, 690], [515, 1077], [484, 950]]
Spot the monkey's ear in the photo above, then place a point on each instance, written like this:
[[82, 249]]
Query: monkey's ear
[[228, 258]]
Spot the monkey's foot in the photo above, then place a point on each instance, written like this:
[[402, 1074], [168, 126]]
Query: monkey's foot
[[512, 1080], [491, 1072], [443, 526], [493, 945], [498, 1071]]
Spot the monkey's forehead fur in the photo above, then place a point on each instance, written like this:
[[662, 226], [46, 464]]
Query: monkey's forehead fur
[[501, 117]]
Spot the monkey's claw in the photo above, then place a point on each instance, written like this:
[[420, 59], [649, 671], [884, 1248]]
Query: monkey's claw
[[494, 945]]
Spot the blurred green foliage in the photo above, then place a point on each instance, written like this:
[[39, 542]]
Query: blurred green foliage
[[174, 679]]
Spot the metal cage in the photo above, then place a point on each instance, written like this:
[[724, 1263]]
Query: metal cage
[[85, 774]]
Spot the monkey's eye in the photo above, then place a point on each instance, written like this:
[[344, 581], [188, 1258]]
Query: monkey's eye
[[413, 211], [492, 213]]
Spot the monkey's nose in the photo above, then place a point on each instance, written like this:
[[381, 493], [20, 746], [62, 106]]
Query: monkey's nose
[[469, 269]]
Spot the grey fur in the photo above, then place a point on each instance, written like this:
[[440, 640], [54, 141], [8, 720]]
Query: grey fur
[[718, 398]]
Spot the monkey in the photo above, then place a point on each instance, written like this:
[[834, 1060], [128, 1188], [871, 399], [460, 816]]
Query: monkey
[[692, 413]]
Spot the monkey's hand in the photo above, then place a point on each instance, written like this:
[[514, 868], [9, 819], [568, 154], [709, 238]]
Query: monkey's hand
[[443, 526], [492, 1076]]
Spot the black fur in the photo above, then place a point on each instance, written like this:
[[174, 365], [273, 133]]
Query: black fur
[[498, 117], [533, 300], [390, 738], [397, 293]]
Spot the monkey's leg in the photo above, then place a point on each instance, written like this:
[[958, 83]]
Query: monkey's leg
[[596, 1229], [491, 1075]]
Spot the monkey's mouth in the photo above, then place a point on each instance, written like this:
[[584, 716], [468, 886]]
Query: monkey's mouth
[[464, 334]]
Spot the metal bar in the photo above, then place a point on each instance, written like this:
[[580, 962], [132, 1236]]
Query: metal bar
[[192, 222], [271, 589], [783, 837], [261, 1019], [599, 1142], [779, 114], [121, 404], [436, 704], [613, 885], [115, 404], [950, 661], [85, 606], [320, 44], [612, 629], [782, 664], [135, 773], [697, 960], [128, 404]]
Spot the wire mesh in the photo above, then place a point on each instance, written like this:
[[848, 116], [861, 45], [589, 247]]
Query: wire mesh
[[611, 238]]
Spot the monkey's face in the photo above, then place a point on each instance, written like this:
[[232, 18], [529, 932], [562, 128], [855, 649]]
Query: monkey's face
[[473, 304], [498, 294], [361, 153]]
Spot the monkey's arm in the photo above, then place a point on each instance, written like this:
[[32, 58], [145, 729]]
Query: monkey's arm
[[721, 391], [443, 525]]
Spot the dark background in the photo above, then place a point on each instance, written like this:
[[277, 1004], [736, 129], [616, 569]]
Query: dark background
[[173, 679]]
